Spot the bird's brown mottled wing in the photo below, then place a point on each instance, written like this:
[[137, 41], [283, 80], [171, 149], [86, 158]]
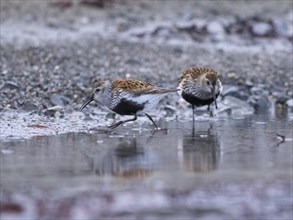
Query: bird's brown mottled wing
[[195, 72], [130, 85], [153, 90], [137, 87]]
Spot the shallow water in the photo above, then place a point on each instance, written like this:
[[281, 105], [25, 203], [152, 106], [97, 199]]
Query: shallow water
[[225, 159]]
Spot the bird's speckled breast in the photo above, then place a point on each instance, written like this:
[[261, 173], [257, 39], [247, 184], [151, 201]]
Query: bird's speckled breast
[[127, 107], [193, 100]]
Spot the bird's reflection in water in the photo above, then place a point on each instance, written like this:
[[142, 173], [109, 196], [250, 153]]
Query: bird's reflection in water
[[199, 152], [127, 159]]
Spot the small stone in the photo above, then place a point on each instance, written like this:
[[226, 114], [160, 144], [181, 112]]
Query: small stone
[[257, 90], [57, 114], [12, 85], [281, 100], [289, 103], [217, 30], [133, 62], [237, 106], [29, 106], [110, 115], [261, 29], [50, 112], [234, 91], [56, 108], [260, 103], [249, 83], [57, 99], [284, 27]]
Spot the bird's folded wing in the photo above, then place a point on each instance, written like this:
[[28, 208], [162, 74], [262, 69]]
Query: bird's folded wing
[[152, 90]]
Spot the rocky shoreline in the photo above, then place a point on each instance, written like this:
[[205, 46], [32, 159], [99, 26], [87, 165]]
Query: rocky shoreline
[[49, 63]]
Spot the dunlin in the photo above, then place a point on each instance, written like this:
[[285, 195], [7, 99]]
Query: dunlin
[[127, 97], [200, 86]]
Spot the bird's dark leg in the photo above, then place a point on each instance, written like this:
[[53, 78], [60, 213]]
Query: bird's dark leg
[[115, 125], [211, 111], [193, 107], [149, 117], [193, 113]]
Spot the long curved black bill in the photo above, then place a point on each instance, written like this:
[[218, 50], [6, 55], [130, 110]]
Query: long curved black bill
[[89, 99], [215, 98]]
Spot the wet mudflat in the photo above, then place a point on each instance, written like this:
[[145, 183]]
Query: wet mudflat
[[137, 172]]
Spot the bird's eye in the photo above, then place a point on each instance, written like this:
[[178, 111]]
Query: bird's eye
[[97, 90], [208, 83]]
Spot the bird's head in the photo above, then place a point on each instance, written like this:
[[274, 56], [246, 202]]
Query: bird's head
[[212, 84], [96, 93]]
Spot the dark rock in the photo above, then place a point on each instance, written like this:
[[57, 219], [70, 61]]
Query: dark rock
[[95, 3], [133, 62], [281, 100], [29, 106], [258, 91], [177, 52], [49, 113], [260, 103], [249, 83]]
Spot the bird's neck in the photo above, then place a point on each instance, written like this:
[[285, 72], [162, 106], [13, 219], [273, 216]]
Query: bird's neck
[[105, 97]]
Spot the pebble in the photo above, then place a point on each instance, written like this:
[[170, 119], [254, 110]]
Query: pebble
[[235, 91], [29, 106], [262, 104], [262, 29], [58, 99], [257, 90], [289, 103], [280, 98], [284, 26], [12, 84], [237, 106], [133, 62], [217, 30], [52, 111]]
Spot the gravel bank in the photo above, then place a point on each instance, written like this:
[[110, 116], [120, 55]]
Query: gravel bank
[[51, 53]]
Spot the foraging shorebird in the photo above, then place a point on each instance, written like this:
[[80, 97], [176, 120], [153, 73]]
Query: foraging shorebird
[[200, 86], [127, 97]]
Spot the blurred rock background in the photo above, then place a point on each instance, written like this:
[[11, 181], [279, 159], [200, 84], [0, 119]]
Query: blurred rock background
[[53, 51]]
